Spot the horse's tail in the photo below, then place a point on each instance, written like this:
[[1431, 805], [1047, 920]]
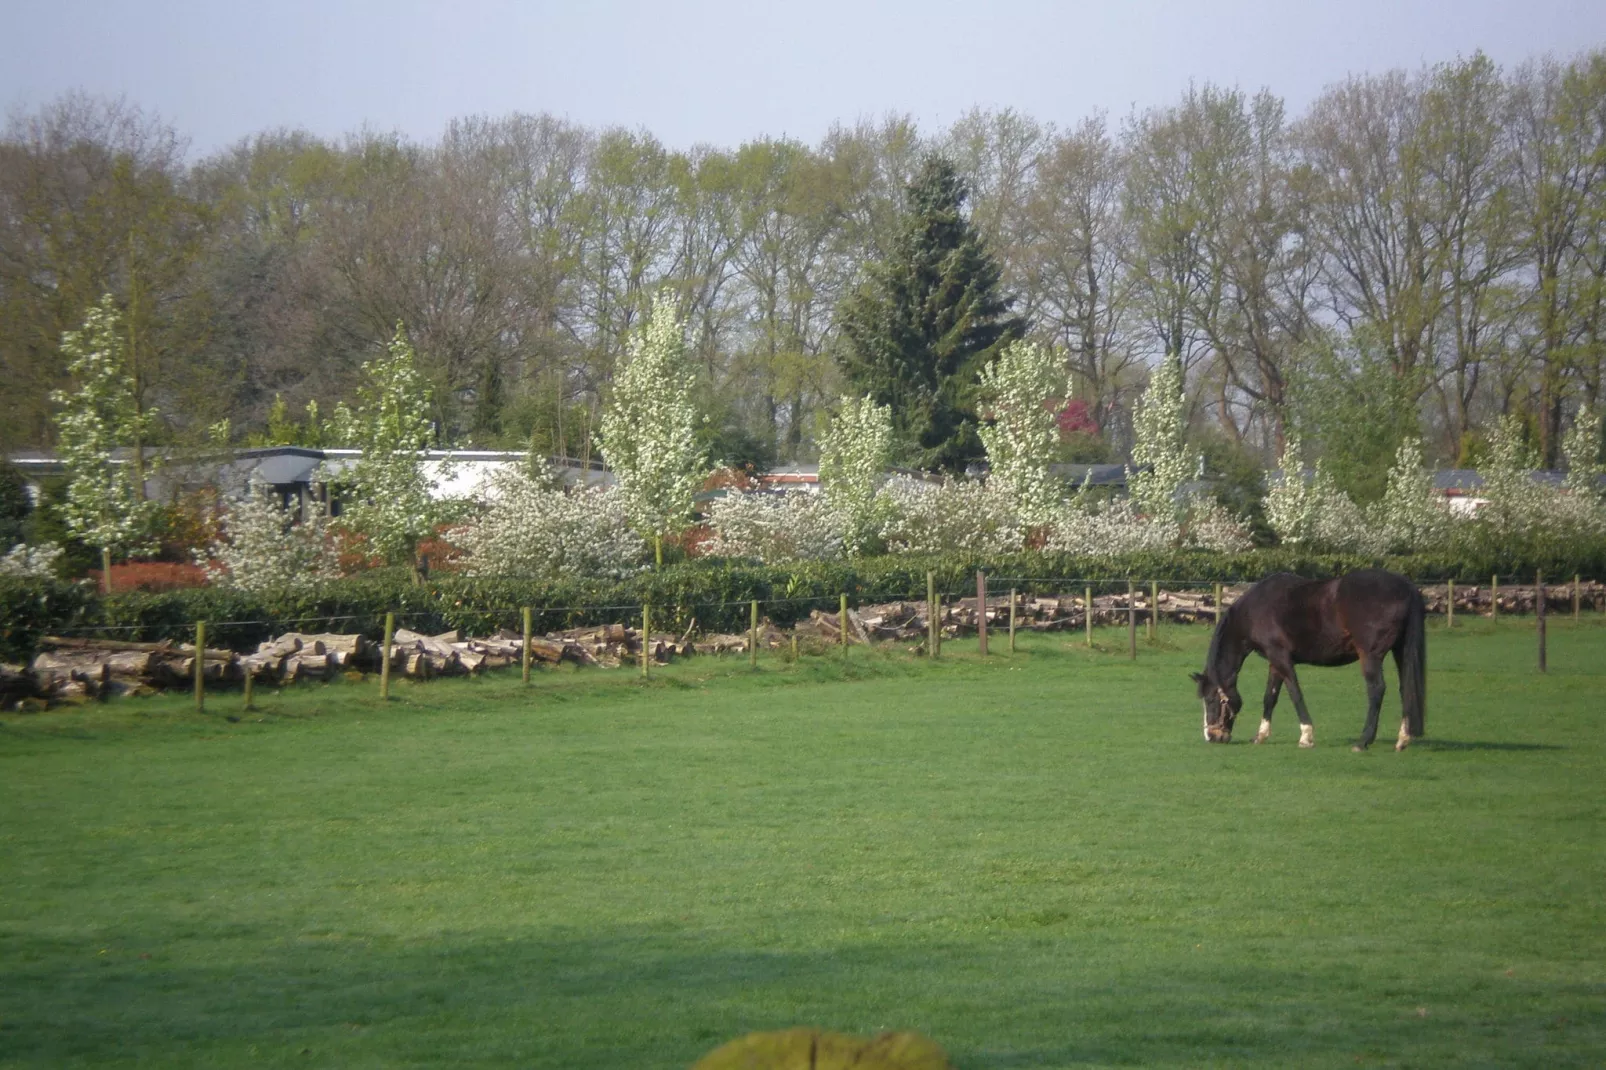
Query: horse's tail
[[1414, 666]]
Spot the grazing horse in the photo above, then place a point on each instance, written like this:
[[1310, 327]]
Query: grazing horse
[[1289, 620]]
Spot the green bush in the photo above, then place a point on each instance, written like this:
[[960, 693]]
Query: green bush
[[31, 608]]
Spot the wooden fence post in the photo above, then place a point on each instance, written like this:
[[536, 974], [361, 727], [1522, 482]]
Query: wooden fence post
[[1087, 614], [646, 637], [200, 666], [248, 705], [1449, 605], [1154, 610], [1494, 596], [1218, 603], [1131, 620], [1539, 615], [931, 615], [384, 665], [981, 612], [1575, 597], [842, 623], [1012, 621], [526, 653], [752, 633]]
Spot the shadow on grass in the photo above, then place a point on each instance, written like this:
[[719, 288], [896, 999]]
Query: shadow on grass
[[655, 997]]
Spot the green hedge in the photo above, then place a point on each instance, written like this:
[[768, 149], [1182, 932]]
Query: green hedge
[[713, 593]]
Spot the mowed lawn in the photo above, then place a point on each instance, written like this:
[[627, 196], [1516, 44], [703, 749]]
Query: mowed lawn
[[1036, 861]]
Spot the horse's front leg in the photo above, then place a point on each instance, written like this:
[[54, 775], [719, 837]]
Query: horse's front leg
[[1372, 668], [1307, 731], [1274, 687]]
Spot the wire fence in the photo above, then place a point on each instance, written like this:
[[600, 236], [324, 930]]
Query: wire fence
[[786, 610]]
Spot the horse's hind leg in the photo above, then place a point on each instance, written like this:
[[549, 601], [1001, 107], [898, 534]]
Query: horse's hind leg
[[1372, 668], [1274, 685]]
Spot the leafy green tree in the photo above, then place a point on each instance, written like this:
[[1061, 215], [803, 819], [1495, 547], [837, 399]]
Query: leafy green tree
[[1354, 407], [387, 492], [926, 320], [104, 507], [648, 432], [15, 505]]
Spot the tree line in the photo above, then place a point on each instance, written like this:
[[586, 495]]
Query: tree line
[[1419, 252]]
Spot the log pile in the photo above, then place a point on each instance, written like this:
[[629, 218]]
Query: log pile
[[76, 670], [82, 669], [1515, 599]]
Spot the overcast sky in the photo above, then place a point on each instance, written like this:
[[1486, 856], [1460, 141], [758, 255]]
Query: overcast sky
[[721, 72]]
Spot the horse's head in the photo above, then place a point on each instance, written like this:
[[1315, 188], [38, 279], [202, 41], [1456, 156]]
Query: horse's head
[[1221, 705]]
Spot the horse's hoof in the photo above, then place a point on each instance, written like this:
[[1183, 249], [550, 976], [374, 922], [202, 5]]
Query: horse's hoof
[[1402, 744], [1307, 736], [1358, 749]]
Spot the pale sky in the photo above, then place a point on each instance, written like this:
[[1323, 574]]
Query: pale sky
[[724, 72]]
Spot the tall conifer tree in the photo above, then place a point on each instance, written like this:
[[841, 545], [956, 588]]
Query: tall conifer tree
[[924, 321]]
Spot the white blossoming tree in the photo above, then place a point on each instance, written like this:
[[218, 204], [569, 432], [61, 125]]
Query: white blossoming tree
[[260, 549], [648, 429], [853, 457], [386, 495], [1159, 424], [1581, 447], [37, 562], [1022, 436], [956, 515], [1514, 505], [1314, 515], [775, 527], [105, 508], [1411, 516], [533, 527], [1520, 514]]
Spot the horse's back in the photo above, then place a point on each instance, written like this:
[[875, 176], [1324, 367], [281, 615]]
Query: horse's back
[[1329, 622]]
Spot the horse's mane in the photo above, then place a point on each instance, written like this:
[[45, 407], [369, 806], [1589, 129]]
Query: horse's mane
[[1212, 658]]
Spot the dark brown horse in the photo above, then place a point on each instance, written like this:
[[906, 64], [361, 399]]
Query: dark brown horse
[[1289, 620]]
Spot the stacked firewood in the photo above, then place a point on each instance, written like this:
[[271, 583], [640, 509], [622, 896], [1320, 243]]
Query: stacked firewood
[[90, 668], [1515, 599], [905, 621], [78, 669]]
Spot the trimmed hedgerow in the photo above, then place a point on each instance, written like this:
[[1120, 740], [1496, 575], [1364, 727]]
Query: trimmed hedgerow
[[713, 593]]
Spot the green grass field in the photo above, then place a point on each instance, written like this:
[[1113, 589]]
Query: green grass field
[[1033, 860]]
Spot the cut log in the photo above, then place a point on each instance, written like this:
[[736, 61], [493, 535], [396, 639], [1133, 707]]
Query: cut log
[[426, 643], [56, 642]]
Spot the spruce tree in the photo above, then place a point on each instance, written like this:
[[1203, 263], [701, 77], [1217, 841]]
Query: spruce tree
[[920, 327]]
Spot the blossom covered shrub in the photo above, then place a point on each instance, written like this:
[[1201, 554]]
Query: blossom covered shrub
[[39, 562], [533, 527], [853, 458], [1522, 517], [953, 516], [260, 548], [1116, 528], [1411, 516], [1022, 436], [648, 431], [1315, 514], [796, 526]]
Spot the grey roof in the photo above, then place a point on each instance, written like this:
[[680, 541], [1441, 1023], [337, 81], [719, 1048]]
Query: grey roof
[[1468, 481], [1095, 475]]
